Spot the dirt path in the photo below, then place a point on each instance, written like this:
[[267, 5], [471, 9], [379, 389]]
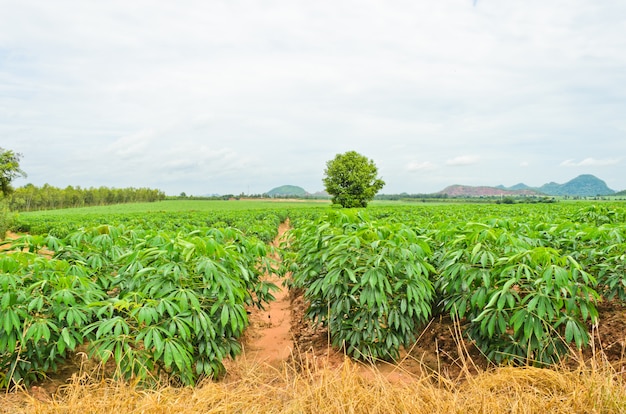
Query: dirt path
[[279, 330], [274, 334], [268, 338]]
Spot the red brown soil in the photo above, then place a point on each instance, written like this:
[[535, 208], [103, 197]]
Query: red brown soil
[[268, 338], [609, 337], [9, 236]]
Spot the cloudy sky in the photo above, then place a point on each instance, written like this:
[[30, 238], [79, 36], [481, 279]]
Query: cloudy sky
[[231, 96]]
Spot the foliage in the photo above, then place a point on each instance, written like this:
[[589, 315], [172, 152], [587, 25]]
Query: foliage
[[350, 179], [259, 223], [611, 271], [150, 301], [44, 305], [368, 282], [525, 284], [9, 169], [7, 219], [524, 303]]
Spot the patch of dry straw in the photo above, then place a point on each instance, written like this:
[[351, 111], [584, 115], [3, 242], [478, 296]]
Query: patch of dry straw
[[349, 388]]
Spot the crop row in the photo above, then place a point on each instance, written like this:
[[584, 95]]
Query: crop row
[[524, 282], [262, 224], [151, 301]]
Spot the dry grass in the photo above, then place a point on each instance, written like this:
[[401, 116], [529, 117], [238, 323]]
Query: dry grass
[[307, 388]]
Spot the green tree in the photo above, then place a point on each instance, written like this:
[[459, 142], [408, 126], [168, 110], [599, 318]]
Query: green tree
[[351, 179], [9, 169]]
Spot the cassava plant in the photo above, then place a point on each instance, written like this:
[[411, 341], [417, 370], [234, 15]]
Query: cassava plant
[[151, 301], [44, 305], [523, 303], [180, 305], [368, 282]]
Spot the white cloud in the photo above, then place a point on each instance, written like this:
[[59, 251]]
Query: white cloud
[[420, 166], [462, 160], [591, 162], [133, 145], [524, 164]]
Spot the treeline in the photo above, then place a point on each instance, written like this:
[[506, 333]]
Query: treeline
[[47, 197]]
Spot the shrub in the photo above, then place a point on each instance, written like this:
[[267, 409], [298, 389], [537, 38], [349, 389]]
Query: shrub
[[368, 282], [523, 303], [150, 301]]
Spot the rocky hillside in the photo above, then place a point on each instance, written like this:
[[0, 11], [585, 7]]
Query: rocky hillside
[[585, 185], [484, 191]]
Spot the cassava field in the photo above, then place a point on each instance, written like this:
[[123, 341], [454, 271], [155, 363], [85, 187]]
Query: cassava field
[[419, 308]]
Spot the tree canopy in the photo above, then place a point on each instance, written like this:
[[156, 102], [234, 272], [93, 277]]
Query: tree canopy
[[351, 179], [9, 169]]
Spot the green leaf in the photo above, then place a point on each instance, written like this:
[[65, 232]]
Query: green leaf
[[224, 315], [570, 330]]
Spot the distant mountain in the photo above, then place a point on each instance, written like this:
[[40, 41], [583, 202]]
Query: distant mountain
[[520, 186], [287, 190], [321, 194], [472, 191], [585, 185]]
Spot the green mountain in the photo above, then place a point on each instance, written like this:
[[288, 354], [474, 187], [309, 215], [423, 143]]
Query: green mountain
[[516, 187], [585, 185], [484, 191], [286, 191]]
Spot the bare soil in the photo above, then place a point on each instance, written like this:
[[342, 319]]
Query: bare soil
[[268, 338], [9, 236]]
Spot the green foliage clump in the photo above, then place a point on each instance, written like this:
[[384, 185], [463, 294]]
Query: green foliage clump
[[151, 301], [368, 282], [44, 305], [524, 303], [351, 179], [7, 219], [9, 169]]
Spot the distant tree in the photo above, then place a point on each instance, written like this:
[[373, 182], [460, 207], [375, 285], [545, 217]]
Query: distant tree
[[351, 179], [9, 169]]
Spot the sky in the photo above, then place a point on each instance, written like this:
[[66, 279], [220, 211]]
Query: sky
[[241, 96]]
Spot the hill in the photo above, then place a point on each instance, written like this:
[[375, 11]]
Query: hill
[[286, 191], [485, 191], [585, 185]]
